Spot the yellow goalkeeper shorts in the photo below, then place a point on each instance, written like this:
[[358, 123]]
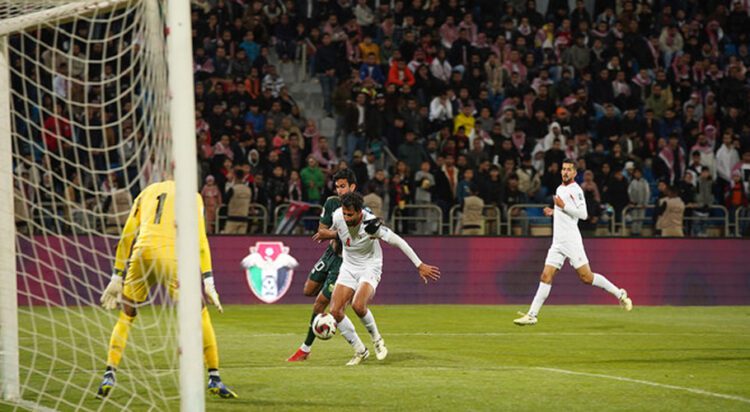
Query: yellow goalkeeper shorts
[[148, 267]]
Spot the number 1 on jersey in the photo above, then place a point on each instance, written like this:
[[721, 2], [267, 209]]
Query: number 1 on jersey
[[159, 208]]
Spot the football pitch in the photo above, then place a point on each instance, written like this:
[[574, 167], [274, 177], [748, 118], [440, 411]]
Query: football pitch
[[456, 358]]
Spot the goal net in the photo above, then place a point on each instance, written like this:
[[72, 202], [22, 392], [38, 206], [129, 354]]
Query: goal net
[[88, 121]]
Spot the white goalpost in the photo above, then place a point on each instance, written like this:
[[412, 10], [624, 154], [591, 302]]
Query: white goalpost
[[96, 102]]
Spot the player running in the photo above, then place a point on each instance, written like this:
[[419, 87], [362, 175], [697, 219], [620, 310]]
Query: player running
[[567, 243], [323, 276], [150, 232], [359, 231]]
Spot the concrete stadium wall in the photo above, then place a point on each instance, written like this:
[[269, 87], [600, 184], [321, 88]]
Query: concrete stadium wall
[[475, 270]]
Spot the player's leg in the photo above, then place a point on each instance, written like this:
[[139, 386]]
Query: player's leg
[[342, 294], [320, 280], [552, 265], [303, 352], [167, 268], [595, 279], [135, 290], [360, 304], [211, 358]]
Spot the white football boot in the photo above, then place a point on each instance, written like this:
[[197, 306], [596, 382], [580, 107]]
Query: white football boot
[[625, 301], [525, 320], [358, 358], [380, 350]]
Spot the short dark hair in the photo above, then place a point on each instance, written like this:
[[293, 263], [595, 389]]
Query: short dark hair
[[568, 160], [346, 174], [352, 200]]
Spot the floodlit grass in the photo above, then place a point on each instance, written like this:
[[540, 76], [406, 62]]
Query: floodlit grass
[[450, 358]]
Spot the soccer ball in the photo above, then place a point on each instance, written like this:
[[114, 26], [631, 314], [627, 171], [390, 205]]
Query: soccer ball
[[324, 326]]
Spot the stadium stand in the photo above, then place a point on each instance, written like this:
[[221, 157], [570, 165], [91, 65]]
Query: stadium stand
[[432, 102]]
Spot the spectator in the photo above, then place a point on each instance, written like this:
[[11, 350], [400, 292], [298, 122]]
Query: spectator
[[513, 196], [238, 198], [472, 218], [211, 202], [373, 200], [411, 152], [325, 60], [277, 187], [313, 180], [424, 182], [671, 212], [294, 189], [617, 193], [400, 75], [639, 193], [704, 199], [593, 203], [726, 158]]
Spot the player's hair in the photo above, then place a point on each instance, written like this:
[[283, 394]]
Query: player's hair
[[352, 200], [346, 174], [568, 160]]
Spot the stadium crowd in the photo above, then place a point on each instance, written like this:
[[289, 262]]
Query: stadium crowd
[[481, 98], [440, 101]]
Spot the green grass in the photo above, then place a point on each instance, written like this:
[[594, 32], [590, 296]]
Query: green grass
[[457, 358]]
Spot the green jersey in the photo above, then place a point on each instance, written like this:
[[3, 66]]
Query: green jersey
[[330, 206]]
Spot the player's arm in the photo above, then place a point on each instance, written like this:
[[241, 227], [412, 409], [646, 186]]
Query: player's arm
[[112, 293], [209, 287], [326, 225], [426, 272], [572, 206]]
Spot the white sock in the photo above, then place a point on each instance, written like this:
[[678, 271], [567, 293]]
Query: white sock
[[541, 295], [347, 331], [305, 348], [369, 322], [602, 282]]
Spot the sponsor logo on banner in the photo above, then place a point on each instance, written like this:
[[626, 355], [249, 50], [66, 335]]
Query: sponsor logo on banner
[[269, 269]]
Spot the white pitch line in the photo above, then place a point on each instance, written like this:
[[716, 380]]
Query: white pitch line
[[649, 383], [556, 370], [501, 368]]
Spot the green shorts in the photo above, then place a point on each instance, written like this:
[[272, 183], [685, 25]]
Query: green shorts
[[326, 271]]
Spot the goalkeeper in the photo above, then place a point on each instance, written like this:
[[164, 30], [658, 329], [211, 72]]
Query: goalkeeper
[[147, 244]]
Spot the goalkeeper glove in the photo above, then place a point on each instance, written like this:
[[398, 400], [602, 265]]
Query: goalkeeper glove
[[210, 289], [112, 293]]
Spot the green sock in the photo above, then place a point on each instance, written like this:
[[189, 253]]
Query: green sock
[[310, 335]]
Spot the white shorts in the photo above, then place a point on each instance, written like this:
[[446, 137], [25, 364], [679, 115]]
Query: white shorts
[[573, 252], [352, 278]]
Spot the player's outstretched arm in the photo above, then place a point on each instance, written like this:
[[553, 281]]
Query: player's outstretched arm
[[426, 272]]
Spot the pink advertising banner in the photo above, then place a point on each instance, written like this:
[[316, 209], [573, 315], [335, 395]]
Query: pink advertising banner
[[475, 270]]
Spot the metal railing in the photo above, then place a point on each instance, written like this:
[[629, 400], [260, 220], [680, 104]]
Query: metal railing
[[311, 215], [742, 214], [257, 217], [543, 220], [433, 218], [489, 220], [722, 220]]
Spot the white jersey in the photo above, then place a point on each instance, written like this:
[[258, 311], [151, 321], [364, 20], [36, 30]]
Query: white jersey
[[565, 222], [362, 251]]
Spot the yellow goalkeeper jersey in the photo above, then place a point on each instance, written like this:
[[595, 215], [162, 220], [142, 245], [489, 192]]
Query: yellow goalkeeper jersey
[[151, 226]]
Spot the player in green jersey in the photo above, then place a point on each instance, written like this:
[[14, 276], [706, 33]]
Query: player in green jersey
[[322, 278]]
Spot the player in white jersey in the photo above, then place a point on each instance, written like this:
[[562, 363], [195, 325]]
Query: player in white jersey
[[570, 206], [359, 231]]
